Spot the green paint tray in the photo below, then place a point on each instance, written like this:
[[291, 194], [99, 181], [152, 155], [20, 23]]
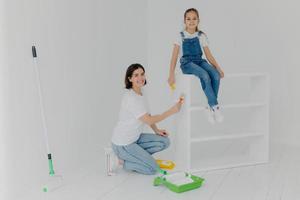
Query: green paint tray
[[179, 182]]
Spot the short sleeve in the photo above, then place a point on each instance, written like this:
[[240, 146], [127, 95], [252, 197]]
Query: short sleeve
[[203, 40], [178, 39], [136, 106]]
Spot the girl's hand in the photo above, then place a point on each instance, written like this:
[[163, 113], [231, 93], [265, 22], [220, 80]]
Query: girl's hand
[[221, 73], [162, 132], [171, 80]]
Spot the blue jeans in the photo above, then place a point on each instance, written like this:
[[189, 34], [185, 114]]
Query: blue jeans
[[209, 78], [137, 156]]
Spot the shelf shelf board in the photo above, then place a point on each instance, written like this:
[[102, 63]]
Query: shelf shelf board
[[233, 165], [227, 137], [245, 75]]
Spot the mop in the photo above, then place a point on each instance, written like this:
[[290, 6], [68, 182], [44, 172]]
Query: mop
[[54, 180]]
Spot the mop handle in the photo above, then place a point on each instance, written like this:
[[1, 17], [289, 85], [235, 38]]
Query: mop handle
[[42, 109], [38, 81]]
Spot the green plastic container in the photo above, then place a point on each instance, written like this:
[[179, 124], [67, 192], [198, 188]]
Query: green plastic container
[[162, 180]]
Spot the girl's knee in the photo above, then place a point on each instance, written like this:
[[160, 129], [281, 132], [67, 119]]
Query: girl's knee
[[205, 77], [216, 76]]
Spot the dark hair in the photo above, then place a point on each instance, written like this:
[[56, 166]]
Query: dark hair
[[129, 72], [192, 10]]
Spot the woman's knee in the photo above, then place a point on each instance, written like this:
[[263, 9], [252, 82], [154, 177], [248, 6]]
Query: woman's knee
[[149, 172], [166, 142], [148, 167], [152, 167]]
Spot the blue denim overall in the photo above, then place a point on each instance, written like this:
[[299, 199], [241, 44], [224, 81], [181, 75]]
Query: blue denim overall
[[192, 62]]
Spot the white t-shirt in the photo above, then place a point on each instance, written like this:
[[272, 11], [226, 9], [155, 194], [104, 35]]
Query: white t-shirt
[[129, 127], [202, 39]]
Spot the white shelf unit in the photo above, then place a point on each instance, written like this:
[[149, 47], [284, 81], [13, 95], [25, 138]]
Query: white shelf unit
[[241, 139]]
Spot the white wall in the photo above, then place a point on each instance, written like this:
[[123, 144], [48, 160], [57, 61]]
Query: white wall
[[122, 41], [83, 50], [289, 15]]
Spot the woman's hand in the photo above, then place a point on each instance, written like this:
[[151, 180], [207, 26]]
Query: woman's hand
[[150, 120], [162, 132], [176, 108]]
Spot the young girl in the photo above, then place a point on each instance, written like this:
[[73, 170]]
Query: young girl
[[132, 147], [190, 43]]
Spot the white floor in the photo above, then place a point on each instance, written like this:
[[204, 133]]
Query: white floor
[[277, 180]]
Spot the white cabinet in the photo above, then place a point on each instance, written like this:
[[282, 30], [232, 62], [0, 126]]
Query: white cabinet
[[241, 139]]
